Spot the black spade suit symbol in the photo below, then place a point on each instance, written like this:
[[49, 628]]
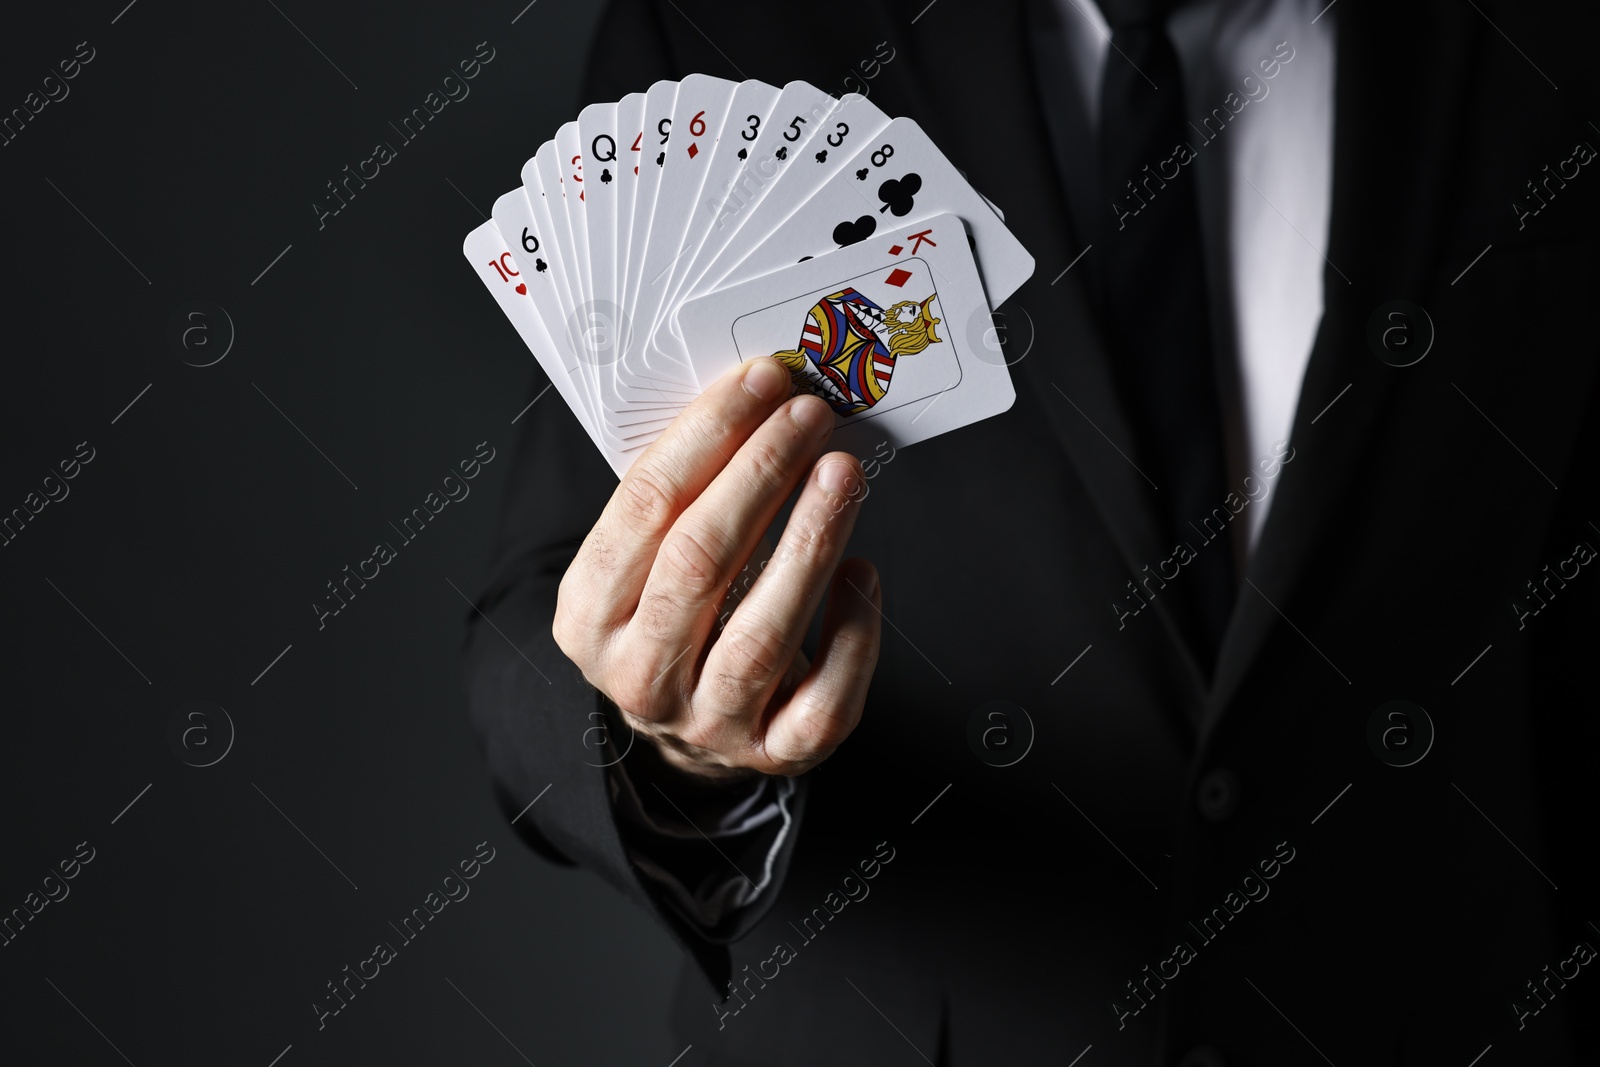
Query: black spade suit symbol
[[662, 158], [605, 176], [782, 152], [744, 153], [848, 233], [900, 195]]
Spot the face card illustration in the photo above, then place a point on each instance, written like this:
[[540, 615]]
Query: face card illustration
[[894, 333], [853, 341]]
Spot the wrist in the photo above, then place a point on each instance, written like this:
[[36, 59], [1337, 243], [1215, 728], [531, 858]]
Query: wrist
[[673, 764]]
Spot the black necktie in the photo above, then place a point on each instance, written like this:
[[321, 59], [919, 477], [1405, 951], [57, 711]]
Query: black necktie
[[1151, 278]]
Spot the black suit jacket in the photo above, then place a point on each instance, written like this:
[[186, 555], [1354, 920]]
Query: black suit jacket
[[1174, 870]]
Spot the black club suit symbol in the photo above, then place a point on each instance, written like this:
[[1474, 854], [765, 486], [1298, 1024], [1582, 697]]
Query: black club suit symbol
[[899, 195]]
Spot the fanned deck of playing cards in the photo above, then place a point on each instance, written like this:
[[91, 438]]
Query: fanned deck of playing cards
[[657, 241]]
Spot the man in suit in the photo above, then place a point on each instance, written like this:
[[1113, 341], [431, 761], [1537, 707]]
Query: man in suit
[[1043, 784]]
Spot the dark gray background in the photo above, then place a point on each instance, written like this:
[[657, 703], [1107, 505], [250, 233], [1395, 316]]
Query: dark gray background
[[195, 142]]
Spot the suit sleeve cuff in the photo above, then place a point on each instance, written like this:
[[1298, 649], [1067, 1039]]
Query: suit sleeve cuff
[[711, 850]]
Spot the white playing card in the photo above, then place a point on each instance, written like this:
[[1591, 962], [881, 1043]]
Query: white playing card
[[534, 252], [751, 106], [602, 315], [894, 332], [569, 163], [490, 255], [559, 309], [549, 166], [751, 215], [898, 174], [630, 132], [698, 114], [649, 157], [659, 240], [842, 125], [596, 170]]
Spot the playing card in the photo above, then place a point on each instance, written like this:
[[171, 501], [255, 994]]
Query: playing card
[[594, 211], [581, 324], [745, 217], [658, 240], [565, 195], [648, 152], [595, 169], [555, 304], [630, 131], [698, 114], [898, 174], [893, 332], [748, 215], [533, 252], [751, 105], [490, 255]]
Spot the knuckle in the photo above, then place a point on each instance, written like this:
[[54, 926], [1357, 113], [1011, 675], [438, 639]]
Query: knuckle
[[561, 632], [657, 615], [569, 626], [813, 538], [764, 464], [703, 733], [628, 696], [814, 735], [633, 689], [598, 551], [732, 690], [688, 557], [753, 655], [581, 617], [643, 500], [704, 421]]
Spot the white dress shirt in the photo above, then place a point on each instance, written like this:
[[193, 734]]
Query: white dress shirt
[[1264, 179]]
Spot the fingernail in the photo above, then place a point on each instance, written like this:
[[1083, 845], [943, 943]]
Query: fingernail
[[765, 380], [813, 414], [837, 476]]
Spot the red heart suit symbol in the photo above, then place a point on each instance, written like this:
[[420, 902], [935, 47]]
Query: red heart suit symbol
[[522, 288]]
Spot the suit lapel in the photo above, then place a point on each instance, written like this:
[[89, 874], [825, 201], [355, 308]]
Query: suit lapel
[[1392, 138], [981, 103]]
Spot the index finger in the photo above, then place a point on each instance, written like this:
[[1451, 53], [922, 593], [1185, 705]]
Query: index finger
[[610, 569]]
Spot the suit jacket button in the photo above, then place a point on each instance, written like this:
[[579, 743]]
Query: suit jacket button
[[1202, 1056], [1218, 794]]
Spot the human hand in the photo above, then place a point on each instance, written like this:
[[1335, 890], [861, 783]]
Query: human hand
[[638, 607]]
